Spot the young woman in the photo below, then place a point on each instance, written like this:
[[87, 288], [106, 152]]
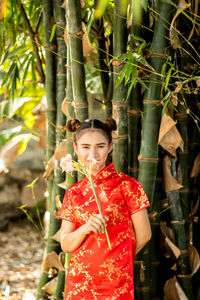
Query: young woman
[[95, 271]]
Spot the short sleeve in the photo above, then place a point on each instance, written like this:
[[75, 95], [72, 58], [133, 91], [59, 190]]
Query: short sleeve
[[66, 210], [135, 196]]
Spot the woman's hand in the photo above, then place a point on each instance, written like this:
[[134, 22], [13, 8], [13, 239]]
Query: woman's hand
[[96, 224]]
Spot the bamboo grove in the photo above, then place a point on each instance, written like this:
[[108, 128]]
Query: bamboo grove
[[146, 56]]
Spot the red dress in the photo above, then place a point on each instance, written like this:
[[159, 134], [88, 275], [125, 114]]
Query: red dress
[[95, 271]]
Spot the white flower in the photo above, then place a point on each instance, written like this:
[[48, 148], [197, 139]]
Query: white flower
[[66, 163]]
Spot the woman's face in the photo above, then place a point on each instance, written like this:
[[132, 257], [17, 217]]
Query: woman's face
[[93, 144]]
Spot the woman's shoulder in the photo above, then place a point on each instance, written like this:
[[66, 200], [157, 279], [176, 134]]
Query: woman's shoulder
[[77, 187], [126, 178]]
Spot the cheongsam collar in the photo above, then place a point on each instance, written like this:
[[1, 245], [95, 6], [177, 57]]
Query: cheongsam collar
[[105, 173]]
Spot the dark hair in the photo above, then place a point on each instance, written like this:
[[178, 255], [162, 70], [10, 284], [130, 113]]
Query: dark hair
[[76, 126]]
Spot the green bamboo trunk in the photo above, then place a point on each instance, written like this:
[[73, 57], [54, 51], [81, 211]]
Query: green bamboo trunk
[[70, 109], [178, 224], [134, 116], [50, 86], [101, 53], [59, 176], [148, 158], [182, 118], [75, 34], [120, 141]]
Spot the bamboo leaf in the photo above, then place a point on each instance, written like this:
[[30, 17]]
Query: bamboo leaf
[[121, 75], [128, 73], [142, 83], [168, 77], [7, 134], [133, 82], [90, 20], [53, 32], [8, 74]]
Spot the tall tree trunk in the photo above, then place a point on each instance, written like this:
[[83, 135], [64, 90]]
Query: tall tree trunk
[[178, 225], [120, 141], [59, 176], [50, 86], [102, 55], [148, 158], [75, 34]]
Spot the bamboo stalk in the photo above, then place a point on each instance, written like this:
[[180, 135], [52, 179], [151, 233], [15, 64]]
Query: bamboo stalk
[[148, 158], [134, 116], [178, 224], [50, 87], [120, 138], [101, 53], [75, 34], [59, 176]]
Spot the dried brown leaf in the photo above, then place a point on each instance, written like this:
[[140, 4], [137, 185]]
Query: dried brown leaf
[[63, 185], [50, 286], [198, 82], [58, 202], [61, 150], [176, 251], [173, 290], [40, 121], [52, 260], [42, 140], [169, 136], [8, 154], [174, 40], [179, 87], [194, 258], [87, 48], [64, 107], [49, 168], [174, 100], [196, 167], [170, 183]]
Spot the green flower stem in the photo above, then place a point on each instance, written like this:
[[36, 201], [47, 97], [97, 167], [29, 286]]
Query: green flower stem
[[99, 207]]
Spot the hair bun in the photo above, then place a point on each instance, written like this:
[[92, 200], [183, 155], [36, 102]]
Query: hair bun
[[111, 124], [73, 125]]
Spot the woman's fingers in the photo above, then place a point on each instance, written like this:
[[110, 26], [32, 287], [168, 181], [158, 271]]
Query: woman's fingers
[[97, 223]]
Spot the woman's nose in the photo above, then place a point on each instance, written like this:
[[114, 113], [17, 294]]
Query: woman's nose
[[93, 152]]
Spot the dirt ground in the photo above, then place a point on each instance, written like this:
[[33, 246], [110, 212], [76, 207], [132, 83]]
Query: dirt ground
[[21, 252]]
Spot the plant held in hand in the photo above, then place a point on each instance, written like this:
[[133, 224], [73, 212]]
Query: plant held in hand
[[68, 165]]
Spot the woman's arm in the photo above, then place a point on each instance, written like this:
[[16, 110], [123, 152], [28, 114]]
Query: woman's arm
[[72, 239], [142, 228]]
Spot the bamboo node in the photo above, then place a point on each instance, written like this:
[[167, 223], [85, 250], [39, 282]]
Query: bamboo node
[[50, 108], [117, 137], [158, 54], [68, 100], [177, 222], [153, 159], [153, 101], [68, 67], [77, 34], [117, 63], [79, 105], [120, 103], [143, 288], [48, 147], [134, 112], [133, 169]]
